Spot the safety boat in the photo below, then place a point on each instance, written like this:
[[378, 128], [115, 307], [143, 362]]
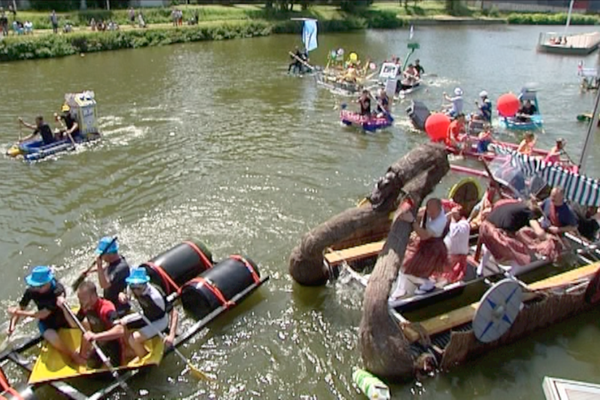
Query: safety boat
[[187, 274], [82, 107], [524, 123], [368, 123]]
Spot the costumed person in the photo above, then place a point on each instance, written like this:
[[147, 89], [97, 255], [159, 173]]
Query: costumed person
[[426, 253], [351, 74], [44, 290], [113, 270], [457, 243], [99, 317], [456, 103], [485, 205], [155, 308], [511, 233]]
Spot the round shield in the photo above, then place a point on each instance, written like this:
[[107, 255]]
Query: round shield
[[497, 310]]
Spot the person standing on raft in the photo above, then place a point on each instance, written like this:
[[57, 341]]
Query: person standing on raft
[[155, 308], [426, 253], [99, 317], [44, 290], [113, 270]]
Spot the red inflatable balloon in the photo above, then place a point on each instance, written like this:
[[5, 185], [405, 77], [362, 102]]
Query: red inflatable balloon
[[508, 105], [436, 126]]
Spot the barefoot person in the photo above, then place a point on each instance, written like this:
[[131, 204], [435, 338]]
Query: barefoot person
[[154, 307], [44, 290], [99, 317]]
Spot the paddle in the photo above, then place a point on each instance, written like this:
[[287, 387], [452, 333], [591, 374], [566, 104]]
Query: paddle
[[195, 371], [100, 353], [307, 65], [383, 110], [60, 121], [83, 275]]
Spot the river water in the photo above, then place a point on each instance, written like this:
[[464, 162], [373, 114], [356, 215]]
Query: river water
[[214, 141]]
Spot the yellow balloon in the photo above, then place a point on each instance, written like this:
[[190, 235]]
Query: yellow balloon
[[353, 57]]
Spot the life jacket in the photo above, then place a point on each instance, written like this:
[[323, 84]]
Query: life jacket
[[151, 310]]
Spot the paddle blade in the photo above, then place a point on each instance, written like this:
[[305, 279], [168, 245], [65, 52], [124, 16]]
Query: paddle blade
[[199, 374], [78, 282]]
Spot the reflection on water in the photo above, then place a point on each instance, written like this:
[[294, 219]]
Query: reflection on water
[[214, 141]]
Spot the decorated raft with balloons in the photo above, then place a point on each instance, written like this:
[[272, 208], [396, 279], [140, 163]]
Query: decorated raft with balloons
[[346, 76], [510, 117]]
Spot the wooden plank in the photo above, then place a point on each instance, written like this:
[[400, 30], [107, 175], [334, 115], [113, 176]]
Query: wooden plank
[[336, 257], [460, 316], [563, 389]]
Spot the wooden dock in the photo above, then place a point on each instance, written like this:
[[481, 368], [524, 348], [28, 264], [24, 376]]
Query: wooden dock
[[563, 389]]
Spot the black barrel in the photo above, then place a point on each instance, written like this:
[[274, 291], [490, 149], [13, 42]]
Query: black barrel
[[418, 113], [218, 285], [176, 266]]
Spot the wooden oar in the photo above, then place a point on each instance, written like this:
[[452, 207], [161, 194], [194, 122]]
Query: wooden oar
[[60, 121], [195, 371], [82, 276], [307, 65], [103, 357], [385, 112]]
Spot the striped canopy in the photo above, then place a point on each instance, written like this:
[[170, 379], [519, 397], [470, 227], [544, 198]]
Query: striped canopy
[[577, 188]]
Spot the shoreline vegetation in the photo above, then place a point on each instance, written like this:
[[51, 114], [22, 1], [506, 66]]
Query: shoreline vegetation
[[239, 21]]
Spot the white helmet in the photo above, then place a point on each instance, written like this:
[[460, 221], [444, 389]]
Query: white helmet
[[483, 94], [458, 92]]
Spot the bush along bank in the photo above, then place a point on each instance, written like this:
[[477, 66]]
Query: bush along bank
[[551, 19], [47, 46]]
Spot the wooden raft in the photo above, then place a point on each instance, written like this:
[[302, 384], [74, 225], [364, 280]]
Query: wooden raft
[[461, 316]]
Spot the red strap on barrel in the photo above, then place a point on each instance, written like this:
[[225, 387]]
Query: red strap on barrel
[[253, 273], [165, 277], [205, 259], [214, 290], [7, 388]]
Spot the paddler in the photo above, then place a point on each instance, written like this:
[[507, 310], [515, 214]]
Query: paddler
[[40, 128], [555, 153], [526, 111], [456, 136], [113, 270], [411, 77], [351, 74], [383, 101], [69, 125], [298, 55], [484, 110], [456, 102], [420, 70], [99, 317], [457, 243], [44, 290], [511, 233], [154, 307], [484, 139], [527, 144], [365, 103], [426, 253]]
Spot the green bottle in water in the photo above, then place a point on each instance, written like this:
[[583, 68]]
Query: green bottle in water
[[370, 385]]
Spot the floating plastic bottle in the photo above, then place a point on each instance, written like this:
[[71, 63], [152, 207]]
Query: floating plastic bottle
[[370, 385]]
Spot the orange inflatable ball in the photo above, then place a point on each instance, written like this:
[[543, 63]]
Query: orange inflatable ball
[[508, 105], [436, 127]]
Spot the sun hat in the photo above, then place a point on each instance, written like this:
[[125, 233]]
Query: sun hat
[[458, 91], [39, 276], [65, 108], [483, 94], [107, 246], [137, 276]]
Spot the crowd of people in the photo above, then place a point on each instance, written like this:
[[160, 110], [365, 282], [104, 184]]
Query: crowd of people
[[107, 318]]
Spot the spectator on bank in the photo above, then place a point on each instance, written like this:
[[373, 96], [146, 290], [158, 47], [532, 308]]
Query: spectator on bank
[[3, 22], [28, 25], [54, 21], [68, 28], [141, 19], [18, 27], [93, 24], [12, 11], [131, 14]]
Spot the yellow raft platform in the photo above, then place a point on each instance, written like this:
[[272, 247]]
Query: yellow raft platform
[[51, 366]]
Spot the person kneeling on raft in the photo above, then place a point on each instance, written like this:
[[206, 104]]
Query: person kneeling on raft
[[69, 125], [99, 317], [155, 308], [44, 290]]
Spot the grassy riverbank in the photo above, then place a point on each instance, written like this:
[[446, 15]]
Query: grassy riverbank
[[237, 21]]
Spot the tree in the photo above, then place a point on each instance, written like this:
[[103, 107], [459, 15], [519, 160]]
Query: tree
[[453, 7]]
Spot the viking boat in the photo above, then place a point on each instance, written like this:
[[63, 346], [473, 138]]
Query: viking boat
[[186, 273]]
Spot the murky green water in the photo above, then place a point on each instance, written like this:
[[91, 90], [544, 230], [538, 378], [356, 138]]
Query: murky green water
[[214, 141]]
